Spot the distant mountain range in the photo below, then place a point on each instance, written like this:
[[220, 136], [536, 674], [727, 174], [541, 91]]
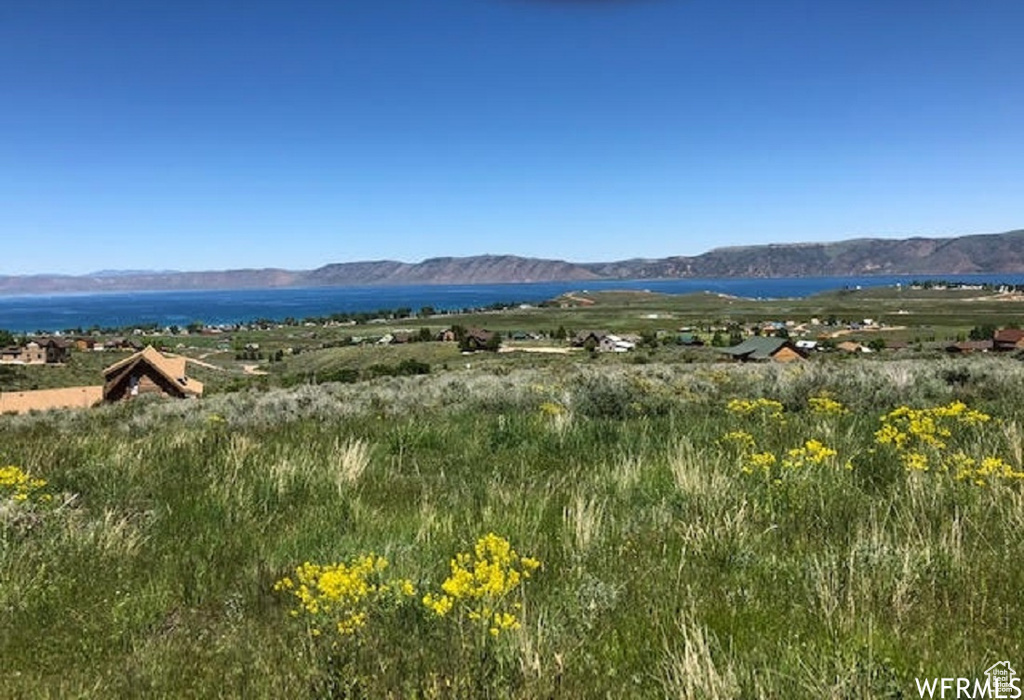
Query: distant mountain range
[[984, 253]]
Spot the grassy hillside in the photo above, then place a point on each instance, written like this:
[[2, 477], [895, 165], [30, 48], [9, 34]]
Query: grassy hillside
[[675, 557]]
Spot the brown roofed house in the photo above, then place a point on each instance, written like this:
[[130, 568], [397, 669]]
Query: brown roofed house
[[149, 372], [967, 346], [1008, 339], [479, 339]]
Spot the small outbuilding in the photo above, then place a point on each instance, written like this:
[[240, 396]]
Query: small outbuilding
[[149, 372]]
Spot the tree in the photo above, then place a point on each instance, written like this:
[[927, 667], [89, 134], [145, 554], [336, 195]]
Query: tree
[[426, 311], [877, 344], [718, 340], [6, 337], [983, 332], [425, 336]]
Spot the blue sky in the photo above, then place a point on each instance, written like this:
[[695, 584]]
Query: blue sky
[[212, 134]]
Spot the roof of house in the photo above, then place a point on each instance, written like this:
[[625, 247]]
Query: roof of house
[[479, 334], [46, 399], [173, 368], [1008, 335], [970, 345], [757, 347]]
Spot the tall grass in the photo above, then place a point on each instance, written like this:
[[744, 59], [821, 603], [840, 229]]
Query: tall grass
[[667, 569]]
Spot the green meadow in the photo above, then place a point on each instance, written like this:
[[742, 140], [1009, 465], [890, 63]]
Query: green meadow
[[680, 530]]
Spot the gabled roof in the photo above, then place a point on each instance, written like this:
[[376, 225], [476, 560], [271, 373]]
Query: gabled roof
[[758, 347], [583, 336], [172, 368], [479, 334]]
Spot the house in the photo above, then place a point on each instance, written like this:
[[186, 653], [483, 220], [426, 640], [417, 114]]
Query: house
[[588, 339], [149, 372], [806, 345], [122, 344], [40, 351], [446, 336], [479, 339], [1008, 339], [11, 355], [969, 346], [55, 350], [851, 346], [613, 343], [764, 349], [689, 339], [29, 354]]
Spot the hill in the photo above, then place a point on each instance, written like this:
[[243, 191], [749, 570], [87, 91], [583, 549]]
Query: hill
[[983, 253]]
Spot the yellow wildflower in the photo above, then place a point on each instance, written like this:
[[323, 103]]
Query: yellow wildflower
[[825, 405], [480, 583]]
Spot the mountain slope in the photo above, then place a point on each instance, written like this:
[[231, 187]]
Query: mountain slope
[[983, 253]]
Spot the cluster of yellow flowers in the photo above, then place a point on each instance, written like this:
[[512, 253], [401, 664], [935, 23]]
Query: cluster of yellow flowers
[[480, 584], [826, 406], [923, 436], [906, 427], [769, 408], [811, 452], [552, 408], [19, 485], [342, 593], [741, 438]]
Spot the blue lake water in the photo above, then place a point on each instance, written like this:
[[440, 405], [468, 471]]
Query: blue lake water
[[57, 312]]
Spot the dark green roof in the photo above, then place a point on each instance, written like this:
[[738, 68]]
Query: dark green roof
[[757, 348]]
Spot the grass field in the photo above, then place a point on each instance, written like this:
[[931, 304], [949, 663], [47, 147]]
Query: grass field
[[688, 543]]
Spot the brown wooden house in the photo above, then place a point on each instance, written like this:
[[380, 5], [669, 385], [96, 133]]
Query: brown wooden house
[[37, 352], [1008, 339], [148, 372], [479, 339]]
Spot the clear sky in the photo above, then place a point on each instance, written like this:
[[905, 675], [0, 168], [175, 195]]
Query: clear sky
[[206, 134]]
